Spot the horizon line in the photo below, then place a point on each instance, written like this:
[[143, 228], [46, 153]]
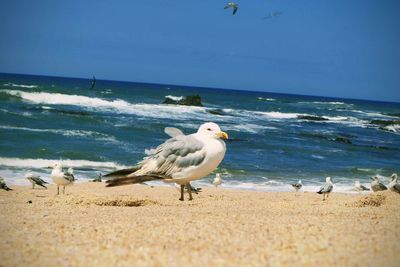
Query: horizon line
[[196, 86]]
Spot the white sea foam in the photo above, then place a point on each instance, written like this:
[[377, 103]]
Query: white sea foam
[[64, 132], [247, 127], [44, 163], [266, 99], [280, 115], [117, 105], [175, 98], [21, 85]]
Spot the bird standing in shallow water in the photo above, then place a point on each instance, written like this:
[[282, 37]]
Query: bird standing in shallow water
[[35, 180], [326, 189], [3, 185], [376, 185], [359, 187], [61, 178], [180, 159], [217, 180], [394, 186], [233, 5], [297, 186]]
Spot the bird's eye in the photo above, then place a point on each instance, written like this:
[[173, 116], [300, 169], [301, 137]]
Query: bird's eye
[[208, 129]]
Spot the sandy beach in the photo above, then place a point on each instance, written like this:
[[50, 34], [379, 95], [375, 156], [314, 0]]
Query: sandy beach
[[147, 226]]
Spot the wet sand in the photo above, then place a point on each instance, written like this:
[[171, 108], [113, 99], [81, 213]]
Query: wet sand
[[137, 225]]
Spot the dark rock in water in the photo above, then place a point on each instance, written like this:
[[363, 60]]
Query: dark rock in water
[[311, 118], [190, 100], [393, 114], [385, 122], [234, 140], [343, 140], [217, 111]]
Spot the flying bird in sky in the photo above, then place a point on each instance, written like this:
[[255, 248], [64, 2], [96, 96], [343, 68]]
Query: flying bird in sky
[[233, 5]]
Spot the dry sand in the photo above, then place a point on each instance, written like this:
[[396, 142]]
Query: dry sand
[[138, 225]]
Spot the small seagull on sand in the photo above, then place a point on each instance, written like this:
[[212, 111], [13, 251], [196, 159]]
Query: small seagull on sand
[[326, 188], [217, 180], [61, 178], [180, 159], [98, 178], [3, 185], [35, 180], [359, 187], [297, 186], [233, 5], [376, 185], [394, 186]]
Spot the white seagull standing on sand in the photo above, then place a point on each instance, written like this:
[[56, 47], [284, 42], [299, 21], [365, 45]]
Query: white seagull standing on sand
[[359, 187], [394, 186], [376, 185], [297, 186], [61, 178], [3, 185], [35, 180], [217, 180], [180, 159], [327, 188]]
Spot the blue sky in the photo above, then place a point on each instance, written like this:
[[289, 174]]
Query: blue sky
[[336, 48]]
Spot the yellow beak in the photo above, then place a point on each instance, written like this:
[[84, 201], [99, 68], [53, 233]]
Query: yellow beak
[[222, 135]]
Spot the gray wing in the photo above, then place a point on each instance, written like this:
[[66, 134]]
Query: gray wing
[[326, 188], [173, 132], [173, 156], [69, 176], [364, 188], [382, 186], [38, 180], [397, 188]]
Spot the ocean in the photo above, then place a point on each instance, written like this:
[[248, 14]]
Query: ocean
[[275, 139]]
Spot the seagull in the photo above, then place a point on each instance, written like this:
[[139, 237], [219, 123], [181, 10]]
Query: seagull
[[180, 159], [35, 180], [297, 186], [394, 186], [376, 185], [3, 185], [273, 14], [359, 187], [61, 178], [93, 83], [98, 178], [217, 180], [326, 188], [233, 5]]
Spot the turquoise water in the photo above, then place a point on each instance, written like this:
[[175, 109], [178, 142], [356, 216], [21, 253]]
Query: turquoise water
[[48, 119]]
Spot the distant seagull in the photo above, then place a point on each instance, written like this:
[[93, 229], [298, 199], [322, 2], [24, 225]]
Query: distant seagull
[[376, 185], [35, 180], [326, 188], [233, 5], [217, 180], [3, 185], [394, 186], [297, 186], [93, 83], [98, 178], [359, 187], [273, 15], [61, 178]]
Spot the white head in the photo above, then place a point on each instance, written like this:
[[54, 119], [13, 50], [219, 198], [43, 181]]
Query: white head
[[394, 177], [218, 176], [358, 184], [212, 130], [375, 178], [28, 175], [328, 180], [56, 165]]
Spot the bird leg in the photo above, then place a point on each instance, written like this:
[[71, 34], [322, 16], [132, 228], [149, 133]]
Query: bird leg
[[33, 186], [189, 191], [63, 189], [58, 189], [182, 190], [323, 197]]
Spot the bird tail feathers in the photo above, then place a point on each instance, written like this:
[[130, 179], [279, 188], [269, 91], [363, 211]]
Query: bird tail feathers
[[124, 180]]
